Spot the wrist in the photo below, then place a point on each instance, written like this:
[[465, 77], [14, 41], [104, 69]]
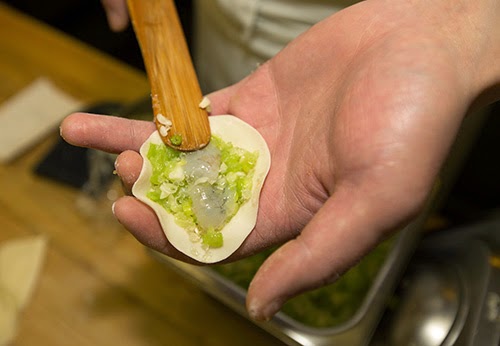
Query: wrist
[[472, 29]]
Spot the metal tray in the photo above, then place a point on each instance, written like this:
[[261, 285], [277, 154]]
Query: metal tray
[[356, 331]]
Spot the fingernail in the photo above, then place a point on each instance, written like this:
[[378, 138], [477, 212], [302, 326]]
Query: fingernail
[[263, 313]]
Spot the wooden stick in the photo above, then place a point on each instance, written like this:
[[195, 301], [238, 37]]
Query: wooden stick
[[175, 91]]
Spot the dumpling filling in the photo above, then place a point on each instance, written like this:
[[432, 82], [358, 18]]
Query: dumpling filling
[[203, 189], [206, 201]]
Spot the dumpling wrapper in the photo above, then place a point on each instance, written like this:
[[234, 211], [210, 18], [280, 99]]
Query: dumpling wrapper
[[230, 129]]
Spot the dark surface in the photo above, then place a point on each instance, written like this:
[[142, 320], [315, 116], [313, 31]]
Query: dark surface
[[68, 164], [476, 193], [86, 20]]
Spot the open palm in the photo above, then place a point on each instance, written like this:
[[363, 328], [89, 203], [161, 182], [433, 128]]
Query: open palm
[[358, 113]]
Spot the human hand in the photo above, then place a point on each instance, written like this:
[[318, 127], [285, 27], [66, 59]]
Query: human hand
[[117, 14], [358, 113]]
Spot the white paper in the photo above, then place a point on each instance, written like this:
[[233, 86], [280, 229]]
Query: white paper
[[31, 114]]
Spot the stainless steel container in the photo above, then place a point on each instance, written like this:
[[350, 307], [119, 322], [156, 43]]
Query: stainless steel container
[[356, 331], [450, 294]]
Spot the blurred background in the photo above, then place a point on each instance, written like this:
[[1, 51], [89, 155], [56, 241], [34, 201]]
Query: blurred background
[[86, 21]]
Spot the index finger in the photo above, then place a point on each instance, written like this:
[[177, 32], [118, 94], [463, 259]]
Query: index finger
[[107, 133]]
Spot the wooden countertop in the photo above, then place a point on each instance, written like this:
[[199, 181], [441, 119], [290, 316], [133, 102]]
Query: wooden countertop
[[98, 285]]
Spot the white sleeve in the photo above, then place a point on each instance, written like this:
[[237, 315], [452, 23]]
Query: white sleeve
[[232, 37]]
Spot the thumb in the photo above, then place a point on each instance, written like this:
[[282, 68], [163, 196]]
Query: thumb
[[347, 226]]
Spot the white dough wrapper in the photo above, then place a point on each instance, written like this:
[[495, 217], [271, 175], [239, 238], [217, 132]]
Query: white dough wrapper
[[230, 129]]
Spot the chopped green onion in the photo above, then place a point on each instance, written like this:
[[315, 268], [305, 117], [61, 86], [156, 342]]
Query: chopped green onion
[[176, 139], [212, 238]]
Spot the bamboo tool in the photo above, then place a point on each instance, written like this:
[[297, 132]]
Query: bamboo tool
[[175, 91]]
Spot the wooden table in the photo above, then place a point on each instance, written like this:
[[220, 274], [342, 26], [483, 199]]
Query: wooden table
[[98, 285]]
